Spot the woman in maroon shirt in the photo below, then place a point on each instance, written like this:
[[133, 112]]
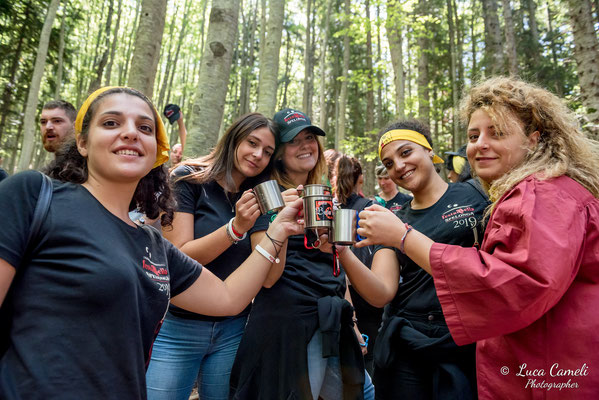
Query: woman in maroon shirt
[[525, 296]]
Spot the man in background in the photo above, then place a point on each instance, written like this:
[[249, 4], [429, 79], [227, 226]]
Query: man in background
[[57, 124]]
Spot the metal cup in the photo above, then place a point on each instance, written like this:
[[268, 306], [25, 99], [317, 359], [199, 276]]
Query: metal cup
[[318, 211], [269, 196], [315, 190], [344, 227]]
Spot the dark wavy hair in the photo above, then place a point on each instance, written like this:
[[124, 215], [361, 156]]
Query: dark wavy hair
[[411, 124], [348, 171], [153, 195], [219, 164]]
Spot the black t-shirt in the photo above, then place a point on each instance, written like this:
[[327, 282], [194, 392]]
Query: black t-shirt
[[396, 203], [87, 300], [3, 174], [308, 272], [211, 208], [454, 219]]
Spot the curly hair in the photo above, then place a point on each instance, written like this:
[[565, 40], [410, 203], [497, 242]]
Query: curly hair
[[562, 147], [220, 163], [153, 195], [348, 171]]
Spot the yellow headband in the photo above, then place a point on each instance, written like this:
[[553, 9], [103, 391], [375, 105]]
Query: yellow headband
[[162, 147], [406, 134]]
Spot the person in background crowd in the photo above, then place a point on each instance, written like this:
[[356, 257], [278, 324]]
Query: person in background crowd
[[215, 210], [82, 301], [458, 168], [525, 297], [299, 341], [389, 196], [173, 113], [415, 356], [176, 154], [57, 124], [331, 156], [348, 172]]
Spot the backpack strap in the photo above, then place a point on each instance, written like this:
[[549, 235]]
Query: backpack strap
[[476, 184], [41, 208]]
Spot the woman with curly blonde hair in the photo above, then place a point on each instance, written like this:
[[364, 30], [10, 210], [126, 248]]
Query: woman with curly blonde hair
[[524, 296]]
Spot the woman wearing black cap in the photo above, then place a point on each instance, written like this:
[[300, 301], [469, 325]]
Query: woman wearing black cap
[[286, 351]]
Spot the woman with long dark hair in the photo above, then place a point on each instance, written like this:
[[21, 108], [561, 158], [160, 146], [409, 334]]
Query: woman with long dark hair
[[214, 212], [83, 300]]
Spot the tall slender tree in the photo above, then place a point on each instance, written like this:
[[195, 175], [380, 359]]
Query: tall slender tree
[[510, 38], [148, 41], [208, 107], [586, 53], [308, 68], [394, 36], [340, 137], [29, 119], [493, 44], [269, 59]]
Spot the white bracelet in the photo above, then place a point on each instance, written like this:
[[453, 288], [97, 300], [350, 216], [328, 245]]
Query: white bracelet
[[232, 236], [267, 255]]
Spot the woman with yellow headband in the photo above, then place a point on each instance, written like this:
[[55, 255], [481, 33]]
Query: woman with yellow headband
[[83, 302], [415, 356]]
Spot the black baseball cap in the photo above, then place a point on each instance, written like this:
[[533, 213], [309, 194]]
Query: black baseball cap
[[290, 122], [172, 112]]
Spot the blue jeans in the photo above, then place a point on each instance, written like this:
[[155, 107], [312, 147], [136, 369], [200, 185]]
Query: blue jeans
[[325, 374], [186, 350]]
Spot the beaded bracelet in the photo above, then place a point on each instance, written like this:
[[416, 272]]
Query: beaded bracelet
[[403, 239]]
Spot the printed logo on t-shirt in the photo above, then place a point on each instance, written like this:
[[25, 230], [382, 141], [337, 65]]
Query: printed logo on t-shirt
[[395, 207], [157, 273], [460, 216]]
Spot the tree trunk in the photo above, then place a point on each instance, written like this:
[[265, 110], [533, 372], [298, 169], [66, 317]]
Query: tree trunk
[[532, 14], [148, 41], [474, 72], [586, 53], [307, 95], [345, 71], [394, 36], [369, 164], [493, 43], [423, 79], [124, 68], [323, 66], [249, 39], [288, 63], [558, 85], [459, 23], [510, 38], [114, 42], [29, 119], [182, 34], [269, 59], [60, 55], [208, 108], [11, 84], [453, 74], [101, 63]]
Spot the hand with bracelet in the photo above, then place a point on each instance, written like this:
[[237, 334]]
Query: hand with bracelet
[[246, 213]]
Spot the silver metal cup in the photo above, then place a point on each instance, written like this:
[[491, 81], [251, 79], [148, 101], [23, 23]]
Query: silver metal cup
[[318, 211], [269, 196], [344, 227], [315, 190]]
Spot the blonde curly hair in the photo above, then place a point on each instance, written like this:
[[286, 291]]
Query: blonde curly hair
[[562, 147]]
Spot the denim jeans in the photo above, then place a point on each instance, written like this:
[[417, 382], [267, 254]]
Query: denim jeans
[[325, 374], [186, 350]]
